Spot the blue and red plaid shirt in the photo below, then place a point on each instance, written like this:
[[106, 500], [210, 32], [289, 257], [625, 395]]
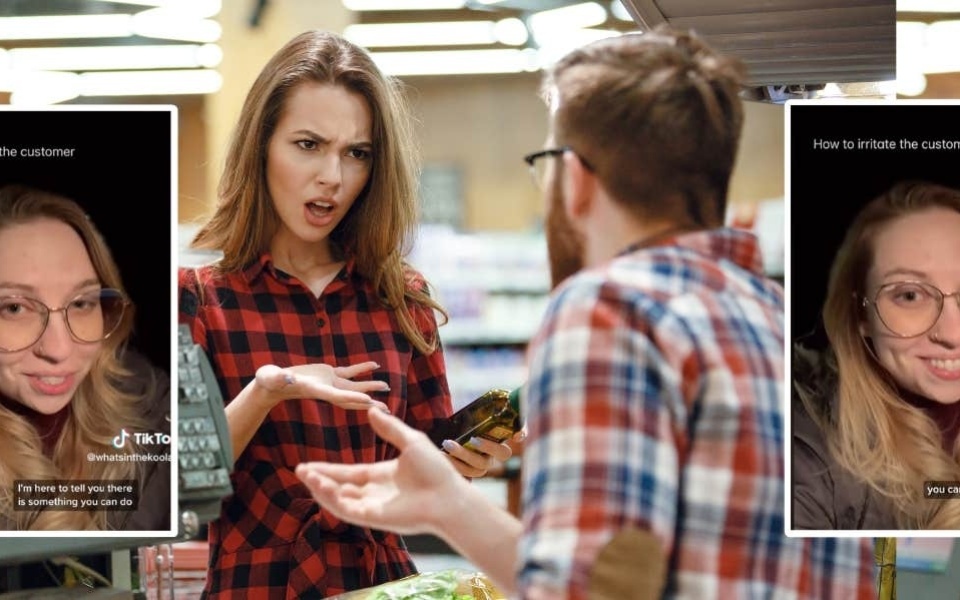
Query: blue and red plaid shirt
[[656, 404], [272, 540]]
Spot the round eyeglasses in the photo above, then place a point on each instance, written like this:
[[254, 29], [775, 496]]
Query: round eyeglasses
[[90, 317], [909, 308]]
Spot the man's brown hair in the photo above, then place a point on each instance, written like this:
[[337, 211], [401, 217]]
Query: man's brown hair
[[657, 116]]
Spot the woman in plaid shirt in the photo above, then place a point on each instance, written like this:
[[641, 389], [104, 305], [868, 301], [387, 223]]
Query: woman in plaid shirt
[[312, 308]]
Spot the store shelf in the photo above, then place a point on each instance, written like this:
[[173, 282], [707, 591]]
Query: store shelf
[[478, 332], [472, 372], [492, 280], [494, 287], [495, 295]]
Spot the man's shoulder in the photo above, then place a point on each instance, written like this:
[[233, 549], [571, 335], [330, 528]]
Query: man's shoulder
[[672, 264], [671, 275]]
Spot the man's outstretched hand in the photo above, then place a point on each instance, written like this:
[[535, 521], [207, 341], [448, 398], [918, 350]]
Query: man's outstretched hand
[[413, 493]]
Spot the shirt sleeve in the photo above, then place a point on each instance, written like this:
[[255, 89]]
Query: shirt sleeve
[[428, 394], [601, 455]]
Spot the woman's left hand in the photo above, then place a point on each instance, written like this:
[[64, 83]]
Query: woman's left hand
[[476, 460]]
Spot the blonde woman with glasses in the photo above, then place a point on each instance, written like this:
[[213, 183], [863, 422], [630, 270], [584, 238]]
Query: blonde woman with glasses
[[68, 384], [876, 420]]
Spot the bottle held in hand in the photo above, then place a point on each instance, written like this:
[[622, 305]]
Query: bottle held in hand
[[495, 416]]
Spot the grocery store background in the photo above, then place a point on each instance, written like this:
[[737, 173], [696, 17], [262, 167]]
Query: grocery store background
[[472, 70]]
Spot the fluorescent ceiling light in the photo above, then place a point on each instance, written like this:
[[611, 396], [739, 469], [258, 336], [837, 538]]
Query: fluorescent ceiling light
[[39, 84], [555, 44], [910, 47], [94, 58], [440, 33], [927, 48], [39, 87], [940, 52], [456, 62], [928, 6], [43, 96], [59, 27], [154, 22], [886, 88], [587, 14], [195, 8], [364, 5], [511, 31], [150, 83], [50, 87], [911, 84], [619, 11], [862, 89], [165, 24]]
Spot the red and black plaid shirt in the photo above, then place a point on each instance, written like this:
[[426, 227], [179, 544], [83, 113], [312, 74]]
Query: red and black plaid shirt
[[272, 540]]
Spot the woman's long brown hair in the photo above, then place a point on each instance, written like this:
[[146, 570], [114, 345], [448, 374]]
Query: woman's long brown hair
[[378, 231]]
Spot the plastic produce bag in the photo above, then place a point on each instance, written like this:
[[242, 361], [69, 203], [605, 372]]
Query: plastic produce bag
[[449, 584]]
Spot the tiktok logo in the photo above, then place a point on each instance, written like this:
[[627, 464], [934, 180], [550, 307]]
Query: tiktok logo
[[120, 440]]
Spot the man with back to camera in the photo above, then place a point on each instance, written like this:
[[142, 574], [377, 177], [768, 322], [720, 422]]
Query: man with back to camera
[[653, 465]]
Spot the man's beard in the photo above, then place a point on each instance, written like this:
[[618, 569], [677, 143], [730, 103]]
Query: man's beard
[[564, 243]]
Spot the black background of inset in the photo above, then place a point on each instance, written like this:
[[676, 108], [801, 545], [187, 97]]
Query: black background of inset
[[828, 188], [120, 173]]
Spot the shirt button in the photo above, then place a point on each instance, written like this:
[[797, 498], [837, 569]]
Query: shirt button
[[321, 322]]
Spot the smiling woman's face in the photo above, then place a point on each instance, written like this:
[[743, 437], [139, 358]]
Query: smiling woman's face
[[44, 260], [913, 257]]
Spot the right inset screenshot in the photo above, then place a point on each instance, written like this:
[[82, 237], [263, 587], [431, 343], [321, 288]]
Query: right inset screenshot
[[873, 313]]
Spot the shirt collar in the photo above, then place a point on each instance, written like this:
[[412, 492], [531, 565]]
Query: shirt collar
[[739, 246], [264, 264]]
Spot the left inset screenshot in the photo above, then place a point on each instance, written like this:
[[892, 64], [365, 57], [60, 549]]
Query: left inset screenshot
[[87, 418]]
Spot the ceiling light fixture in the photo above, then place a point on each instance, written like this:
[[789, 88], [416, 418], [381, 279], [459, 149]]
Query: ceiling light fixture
[[555, 44], [441, 33], [371, 5], [154, 23], [575, 16], [927, 6], [39, 87], [456, 62], [940, 50], [927, 48], [619, 11], [150, 83], [51, 87], [200, 9], [95, 58], [170, 25], [60, 27], [911, 84], [511, 32], [910, 49]]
